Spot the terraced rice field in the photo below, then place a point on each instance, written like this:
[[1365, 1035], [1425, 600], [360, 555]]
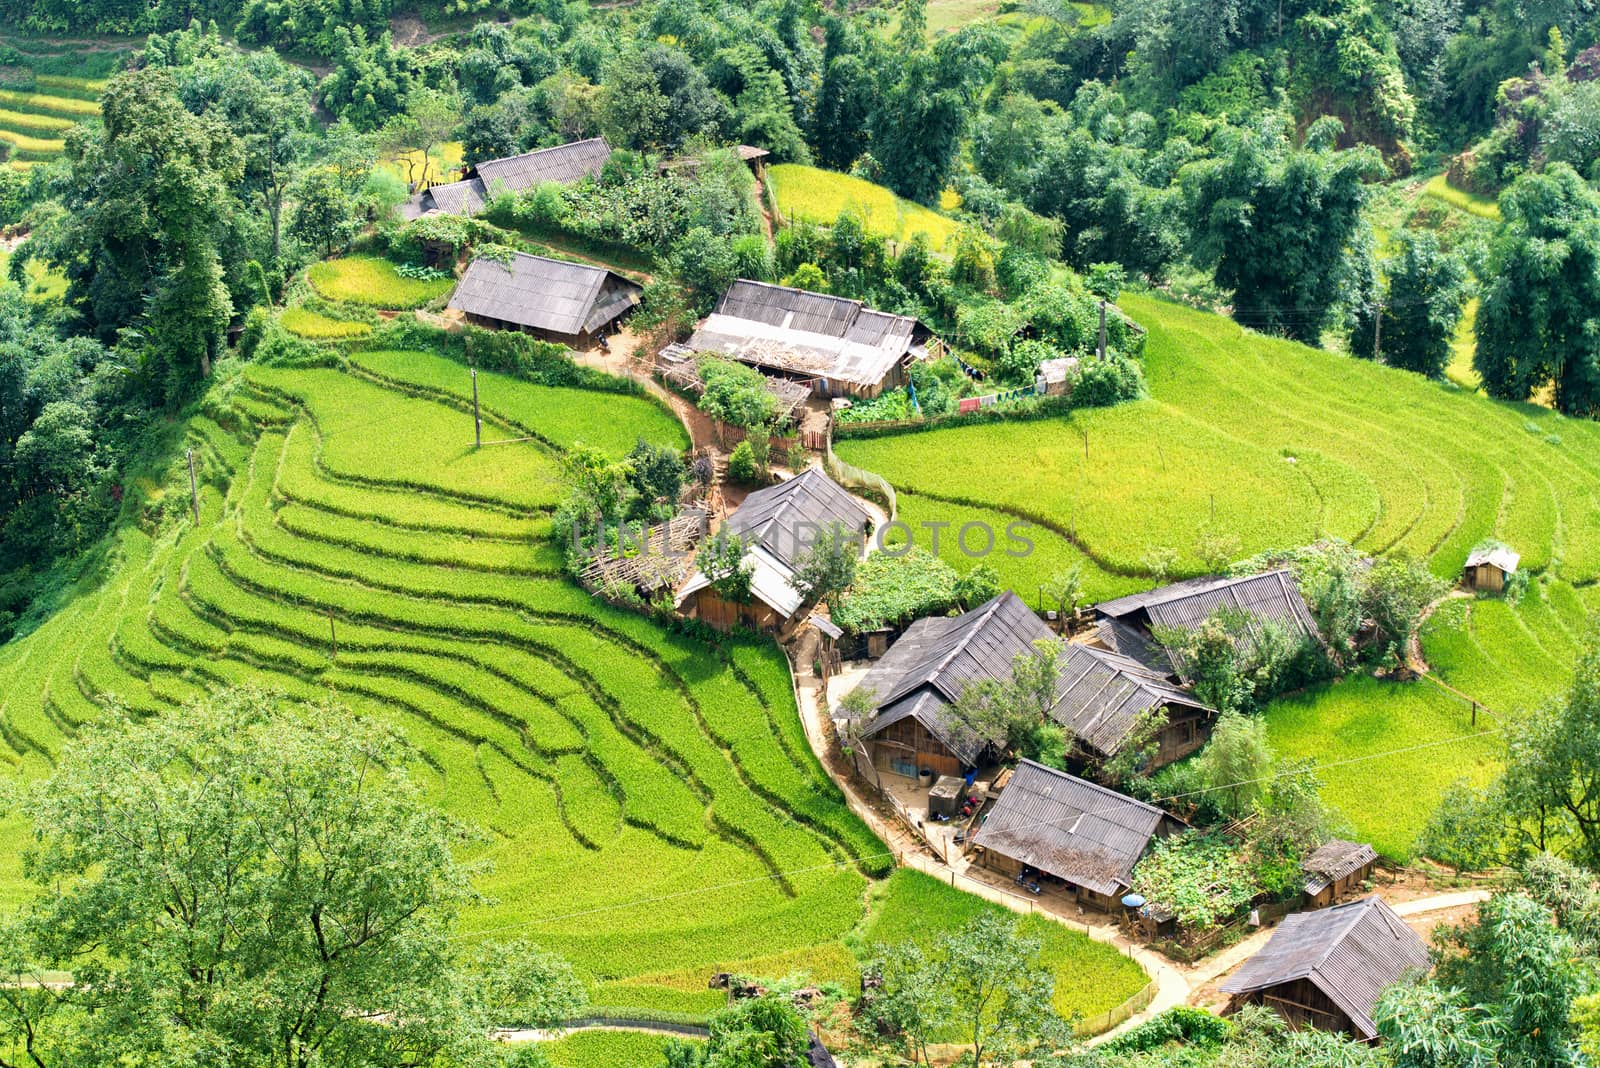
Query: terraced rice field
[[34, 123], [651, 807], [819, 196], [1283, 444], [374, 282], [1277, 444]]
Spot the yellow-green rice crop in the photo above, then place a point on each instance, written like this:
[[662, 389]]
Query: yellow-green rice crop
[[373, 281], [819, 196], [306, 323]]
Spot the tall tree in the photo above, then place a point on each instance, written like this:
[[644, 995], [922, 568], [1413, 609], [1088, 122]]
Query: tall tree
[[247, 882], [1277, 221], [1412, 325], [150, 191], [922, 114], [1552, 776], [1539, 322]]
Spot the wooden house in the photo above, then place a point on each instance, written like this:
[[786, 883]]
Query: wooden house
[[1326, 969], [912, 725], [570, 303], [780, 523], [1088, 836], [1101, 695], [513, 174], [841, 346], [1335, 869], [1129, 625], [1489, 568]]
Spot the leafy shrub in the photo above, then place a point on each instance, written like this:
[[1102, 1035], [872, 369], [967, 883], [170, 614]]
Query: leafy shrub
[[742, 463], [1102, 383], [892, 589]]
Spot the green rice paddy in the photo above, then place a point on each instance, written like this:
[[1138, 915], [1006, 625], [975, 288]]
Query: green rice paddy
[[651, 807]]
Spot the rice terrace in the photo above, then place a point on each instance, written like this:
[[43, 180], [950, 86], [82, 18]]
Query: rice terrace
[[903, 534]]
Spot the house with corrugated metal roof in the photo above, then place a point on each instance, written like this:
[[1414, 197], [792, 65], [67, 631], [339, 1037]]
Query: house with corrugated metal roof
[[1089, 837], [1334, 869], [1489, 567], [1099, 698], [1326, 969], [841, 346], [779, 525], [1129, 625], [1102, 695], [513, 174], [567, 302], [912, 724]]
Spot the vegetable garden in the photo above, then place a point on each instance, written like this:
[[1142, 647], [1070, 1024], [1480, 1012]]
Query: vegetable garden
[[650, 806]]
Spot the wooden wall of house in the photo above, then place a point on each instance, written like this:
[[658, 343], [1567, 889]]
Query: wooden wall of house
[[1009, 867], [1301, 1005], [909, 739], [723, 615], [1185, 732], [1486, 577], [572, 341], [1349, 886]]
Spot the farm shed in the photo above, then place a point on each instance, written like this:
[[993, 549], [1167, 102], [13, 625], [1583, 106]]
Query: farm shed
[[1086, 835], [559, 301], [1270, 598], [1325, 969], [1489, 568], [563, 163], [780, 523], [663, 557], [916, 684], [842, 345], [1336, 868], [1101, 695]]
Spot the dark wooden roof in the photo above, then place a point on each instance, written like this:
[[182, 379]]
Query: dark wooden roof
[[1350, 952], [1101, 695], [788, 517], [552, 295], [1334, 860], [1070, 828], [563, 163]]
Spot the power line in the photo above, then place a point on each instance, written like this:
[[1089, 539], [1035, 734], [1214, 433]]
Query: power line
[[892, 854]]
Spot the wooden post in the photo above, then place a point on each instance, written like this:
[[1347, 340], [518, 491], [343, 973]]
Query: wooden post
[[477, 419], [1377, 334], [194, 491], [1102, 329]]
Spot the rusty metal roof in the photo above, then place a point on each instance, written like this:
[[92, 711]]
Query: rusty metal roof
[[1350, 952]]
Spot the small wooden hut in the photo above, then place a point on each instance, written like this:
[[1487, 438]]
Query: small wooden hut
[[1335, 869], [570, 303], [1326, 969], [1488, 569], [1083, 834]]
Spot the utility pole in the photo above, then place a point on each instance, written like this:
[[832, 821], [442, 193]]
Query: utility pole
[[1102, 329], [477, 419], [1377, 335], [194, 491]]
